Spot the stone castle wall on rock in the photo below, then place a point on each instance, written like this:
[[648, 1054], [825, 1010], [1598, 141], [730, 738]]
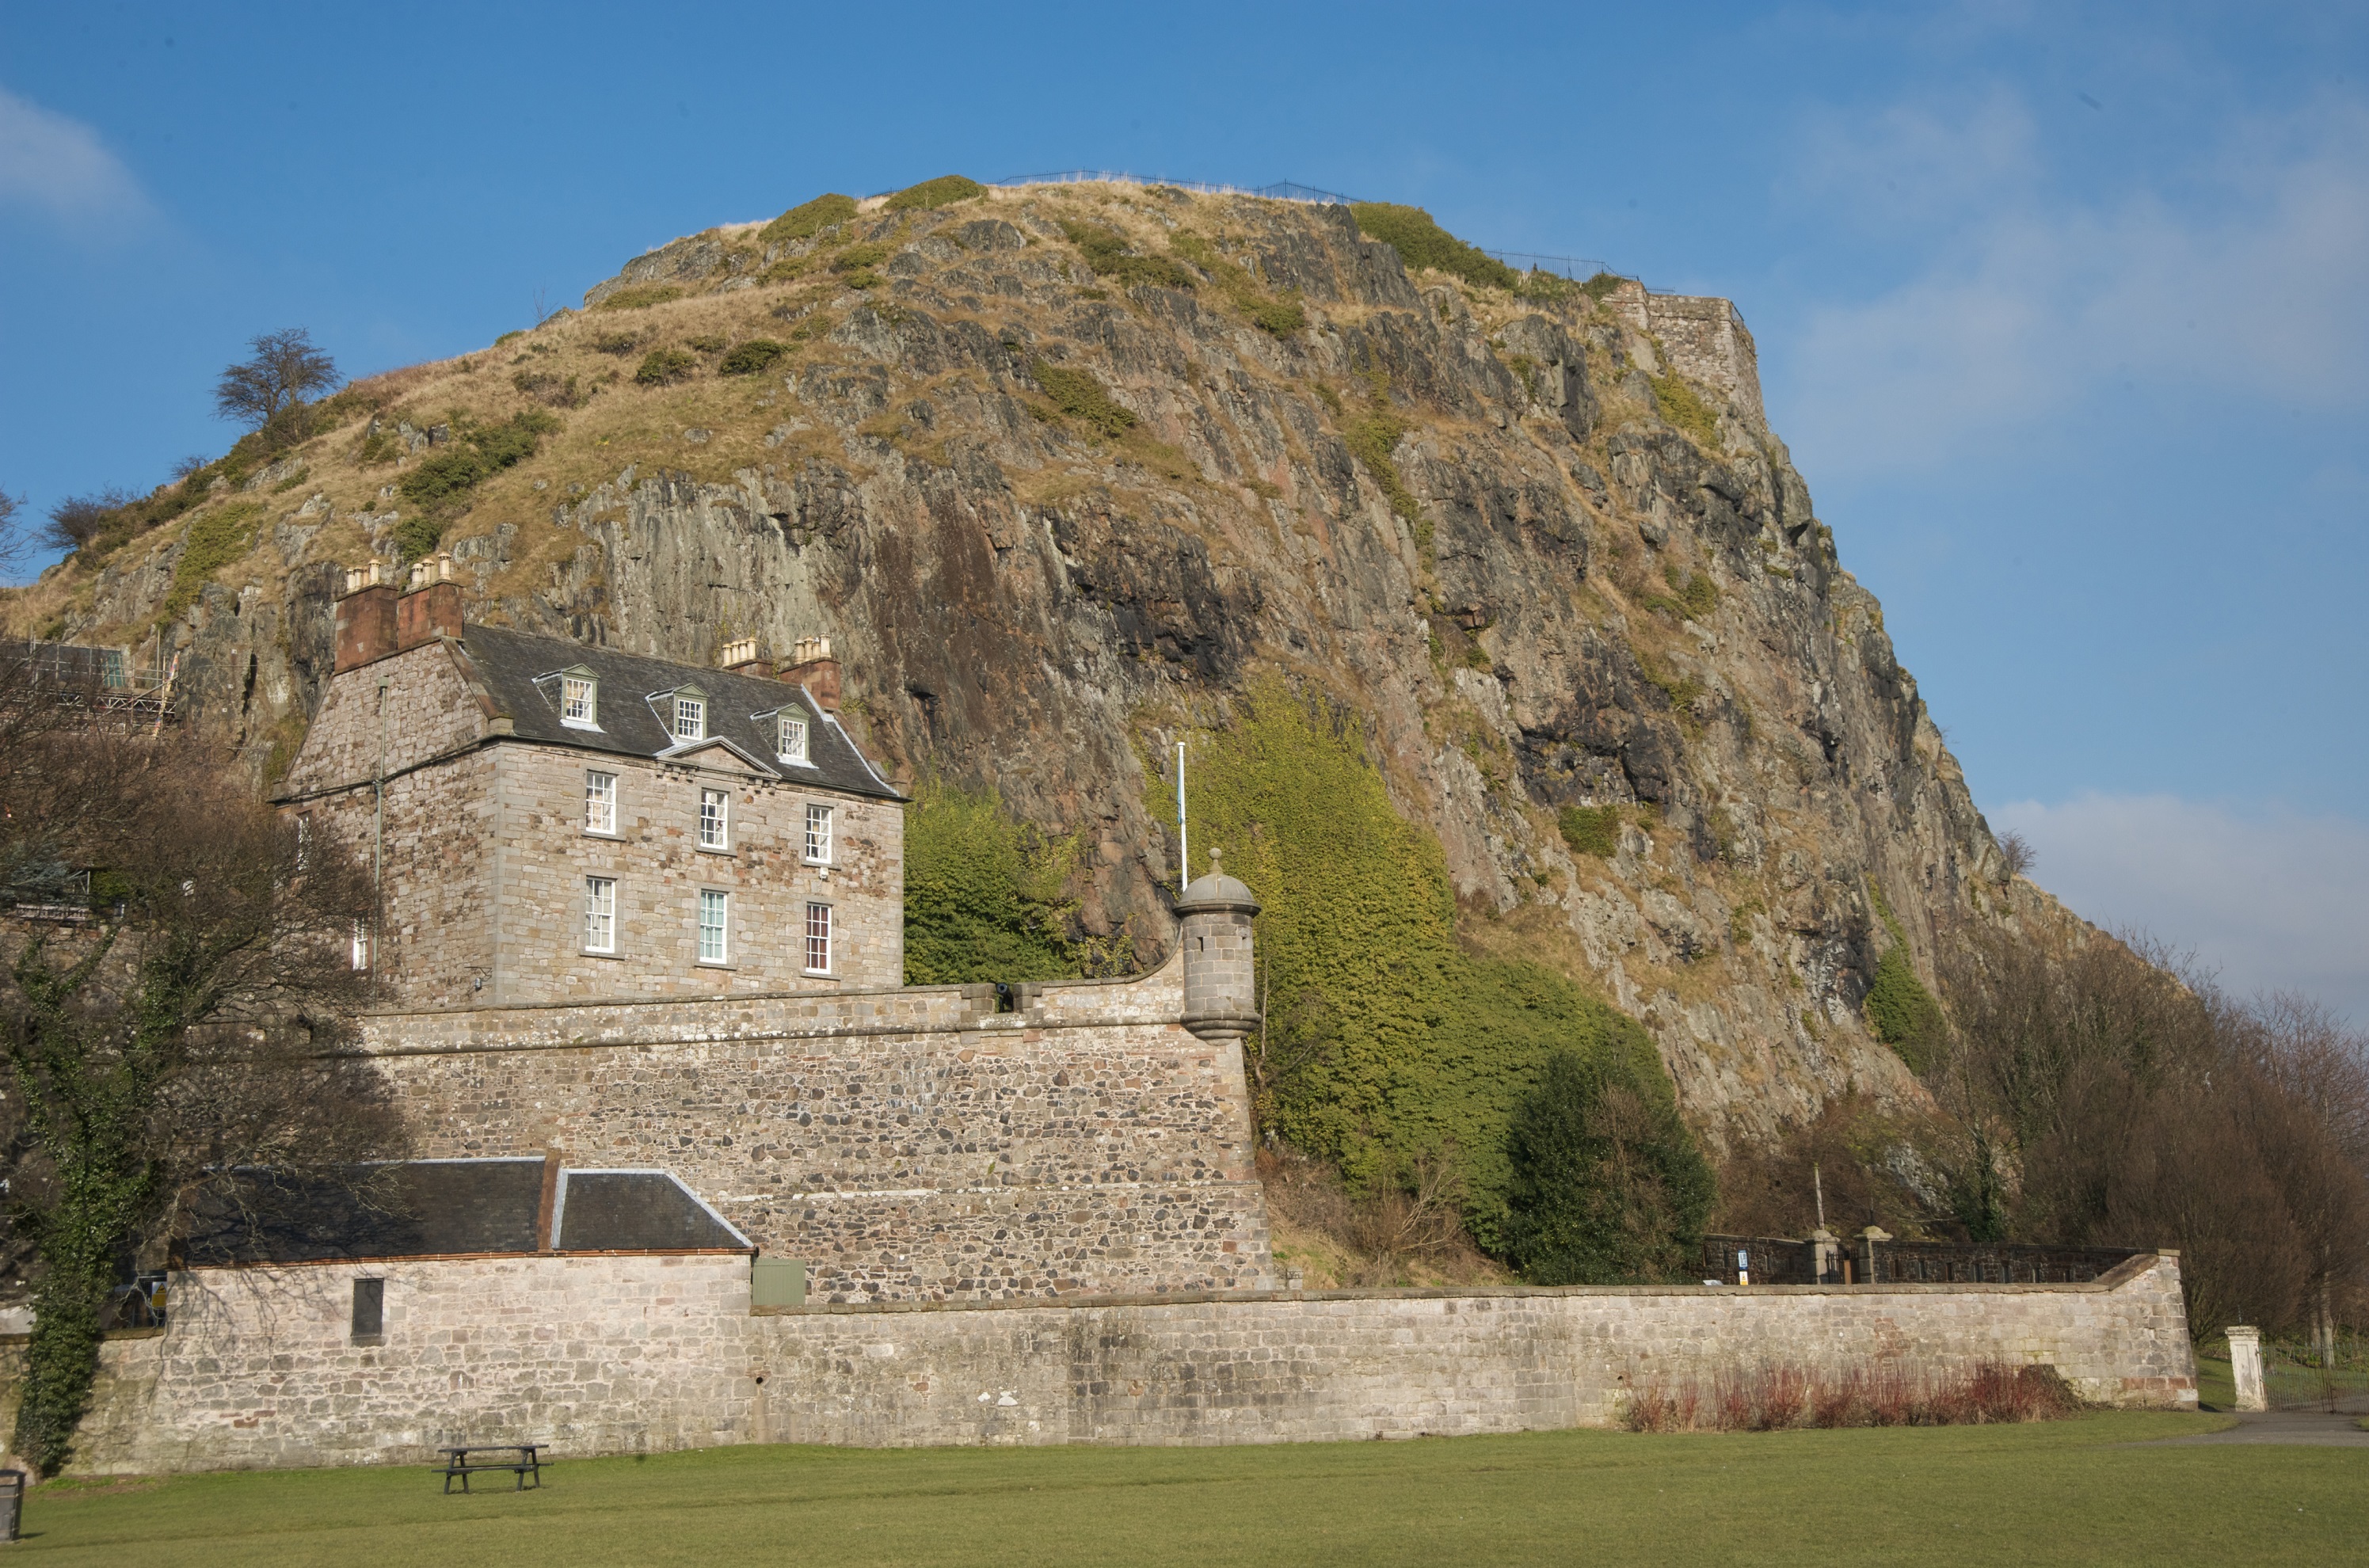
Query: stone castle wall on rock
[[610, 1354], [907, 1145]]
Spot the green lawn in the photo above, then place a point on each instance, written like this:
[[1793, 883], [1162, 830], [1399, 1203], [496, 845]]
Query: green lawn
[[2069, 1492]]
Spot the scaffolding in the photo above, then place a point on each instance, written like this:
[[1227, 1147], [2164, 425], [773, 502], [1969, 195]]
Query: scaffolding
[[104, 682]]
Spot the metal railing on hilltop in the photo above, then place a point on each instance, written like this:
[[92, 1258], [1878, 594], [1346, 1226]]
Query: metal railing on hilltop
[[1282, 191]]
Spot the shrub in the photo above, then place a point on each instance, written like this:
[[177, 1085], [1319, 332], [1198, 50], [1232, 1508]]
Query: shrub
[[545, 386], [708, 343], [1607, 1187], [640, 297], [1078, 394], [1281, 317], [931, 194], [618, 343], [214, 539], [664, 367], [1421, 242], [445, 477], [1601, 285], [753, 357], [417, 536], [1108, 253], [983, 895], [1387, 1044], [1683, 408], [510, 337], [1901, 1012], [1371, 438], [1591, 830], [808, 219]]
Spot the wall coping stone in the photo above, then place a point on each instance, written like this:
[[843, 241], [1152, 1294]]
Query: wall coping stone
[[2113, 1279]]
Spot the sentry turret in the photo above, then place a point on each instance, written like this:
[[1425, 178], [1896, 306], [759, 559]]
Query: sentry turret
[[1221, 971]]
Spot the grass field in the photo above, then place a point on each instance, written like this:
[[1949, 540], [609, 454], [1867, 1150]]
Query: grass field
[[2067, 1492]]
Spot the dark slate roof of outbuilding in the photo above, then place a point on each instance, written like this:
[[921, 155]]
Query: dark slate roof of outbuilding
[[511, 664], [645, 1211], [429, 1207]]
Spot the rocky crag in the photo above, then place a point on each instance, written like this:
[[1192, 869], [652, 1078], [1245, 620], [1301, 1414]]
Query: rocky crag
[[1060, 469]]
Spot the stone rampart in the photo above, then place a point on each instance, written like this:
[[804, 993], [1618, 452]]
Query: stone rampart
[[905, 1144], [628, 1353]]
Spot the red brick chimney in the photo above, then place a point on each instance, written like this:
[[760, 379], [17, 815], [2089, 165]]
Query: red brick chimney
[[810, 665], [365, 618], [433, 608]]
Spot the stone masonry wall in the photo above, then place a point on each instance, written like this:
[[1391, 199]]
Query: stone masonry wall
[[630, 1354], [543, 854], [904, 1144]]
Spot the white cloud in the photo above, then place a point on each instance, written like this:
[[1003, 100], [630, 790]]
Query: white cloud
[[2030, 301], [2272, 899], [59, 168]]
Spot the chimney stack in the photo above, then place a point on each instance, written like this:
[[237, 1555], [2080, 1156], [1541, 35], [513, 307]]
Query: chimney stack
[[433, 608], [739, 657], [365, 617], [810, 665]]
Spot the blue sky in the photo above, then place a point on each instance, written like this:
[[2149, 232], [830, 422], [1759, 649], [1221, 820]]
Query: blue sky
[[2063, 309]]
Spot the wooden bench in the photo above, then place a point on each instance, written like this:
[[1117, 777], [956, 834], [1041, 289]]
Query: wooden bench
[[524, 1459]]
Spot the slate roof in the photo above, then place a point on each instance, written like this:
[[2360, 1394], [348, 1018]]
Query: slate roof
[[427, 1208], [520, 672]]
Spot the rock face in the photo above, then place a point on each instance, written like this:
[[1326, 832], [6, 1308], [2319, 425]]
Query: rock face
[[1465, 515]]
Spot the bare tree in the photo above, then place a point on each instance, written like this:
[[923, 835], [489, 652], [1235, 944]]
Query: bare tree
[[77, 521], [268, 391], [2017, 852], [187, 1020], [13, 541]]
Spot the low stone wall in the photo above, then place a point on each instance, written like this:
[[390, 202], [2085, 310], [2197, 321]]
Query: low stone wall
[[905, 1144], [630, 1354]]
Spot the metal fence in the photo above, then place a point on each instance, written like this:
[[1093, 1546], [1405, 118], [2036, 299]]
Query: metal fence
[[1781, 1260], [2306, 1375], [1282, 191]]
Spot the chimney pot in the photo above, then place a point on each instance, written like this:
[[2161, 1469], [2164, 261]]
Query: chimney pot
[[811, 666]]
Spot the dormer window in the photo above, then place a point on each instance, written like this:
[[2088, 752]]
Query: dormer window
[[579, 701], [792, 748], [689, 716]]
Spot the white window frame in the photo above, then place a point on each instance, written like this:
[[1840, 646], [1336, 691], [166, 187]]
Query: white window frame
[[793, 743], [715, 831], [819, 843], [720, 901], [596, 820], [600, 914], [579, 701], [690, 718], [819, 941], [360, 950]]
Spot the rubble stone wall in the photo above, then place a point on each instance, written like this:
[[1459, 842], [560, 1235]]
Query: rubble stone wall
[[628, 1353]]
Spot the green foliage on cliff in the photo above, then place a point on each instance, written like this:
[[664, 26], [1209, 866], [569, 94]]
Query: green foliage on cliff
[[1684, 406], [444, 478], [1371, 438], [1606, 1185], [214, 539], [1281, 317], [1108, 253], [1591, 830], [664, 367], [1421, 242], [931, 194], [808, 219], [640, 297], [983, 895], [1388, 1041], [1899, 1010], [1078, 394], [753, 357]]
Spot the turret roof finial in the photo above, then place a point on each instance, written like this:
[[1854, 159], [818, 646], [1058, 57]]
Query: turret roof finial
[[1216, 863]]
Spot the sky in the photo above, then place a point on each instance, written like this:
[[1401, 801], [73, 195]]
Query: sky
[[2063, 309]]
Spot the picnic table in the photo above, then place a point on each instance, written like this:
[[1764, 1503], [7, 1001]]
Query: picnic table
[[524, 1459]]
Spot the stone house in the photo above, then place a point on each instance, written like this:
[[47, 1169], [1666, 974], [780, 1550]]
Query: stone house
[[551, 822]]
